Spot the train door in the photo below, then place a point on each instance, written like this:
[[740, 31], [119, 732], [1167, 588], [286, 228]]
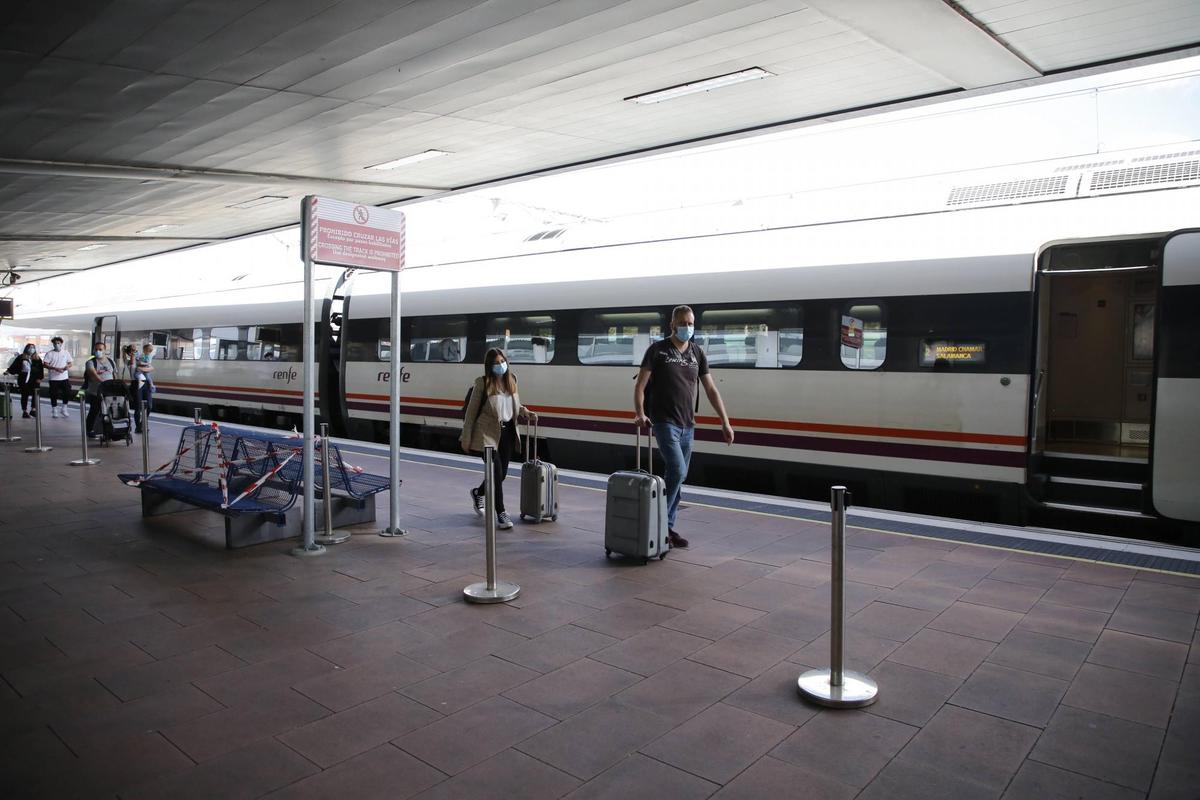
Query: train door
[[106, 330], [1093, 387], [1175, 468]]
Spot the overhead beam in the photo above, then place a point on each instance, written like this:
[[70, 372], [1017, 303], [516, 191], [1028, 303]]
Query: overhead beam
[[42, 237], [937, 34], [141, 172]]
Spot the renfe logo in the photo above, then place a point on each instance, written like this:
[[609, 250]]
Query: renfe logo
[[386, 377], [285, 375]]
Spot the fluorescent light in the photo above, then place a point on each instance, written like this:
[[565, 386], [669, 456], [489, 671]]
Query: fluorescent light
[[258, 201], [157, 228], [706, 85], [91, 247], [413, 159]]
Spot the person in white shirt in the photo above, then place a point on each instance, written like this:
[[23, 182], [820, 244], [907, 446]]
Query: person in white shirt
[[58, 361]]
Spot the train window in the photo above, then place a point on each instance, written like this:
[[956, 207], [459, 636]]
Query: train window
[[186, 344], [863, 337], [159, 340], [436, 339], [383, 351], [224, 344], [619, 338], [768, 337], [527, 339], [274, 342]]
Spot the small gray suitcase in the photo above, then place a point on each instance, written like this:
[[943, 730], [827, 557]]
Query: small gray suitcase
[[635, 519], [539, 485]]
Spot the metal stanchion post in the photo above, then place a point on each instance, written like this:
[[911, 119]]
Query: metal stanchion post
[[195, 416], [328, 537], [493, 590], [37, 427], [197, 456], [145, 433], [837, 687], [84, 461], [8, 437]]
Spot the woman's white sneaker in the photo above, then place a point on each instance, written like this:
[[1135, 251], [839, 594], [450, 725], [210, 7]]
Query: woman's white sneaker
[[503, 522]]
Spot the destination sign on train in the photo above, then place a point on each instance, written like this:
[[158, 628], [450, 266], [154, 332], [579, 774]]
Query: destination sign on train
[[952, 352]]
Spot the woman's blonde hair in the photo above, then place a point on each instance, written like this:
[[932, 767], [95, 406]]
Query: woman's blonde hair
[[497, 384]]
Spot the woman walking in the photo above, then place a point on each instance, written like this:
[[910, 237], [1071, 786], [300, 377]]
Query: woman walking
[[490, 419]]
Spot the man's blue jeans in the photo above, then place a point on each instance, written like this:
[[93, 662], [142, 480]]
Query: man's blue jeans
[[675, 443]]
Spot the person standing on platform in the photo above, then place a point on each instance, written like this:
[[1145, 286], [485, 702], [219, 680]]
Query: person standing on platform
[[27, 366], [99, 368], [144, 381], [491, 419], [674, 369], [57, 362]]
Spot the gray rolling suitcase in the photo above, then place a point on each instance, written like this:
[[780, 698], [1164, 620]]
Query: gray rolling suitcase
[[539, 485], [635, 519]]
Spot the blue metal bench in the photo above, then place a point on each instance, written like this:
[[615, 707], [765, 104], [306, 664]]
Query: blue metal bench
[[253, 479]]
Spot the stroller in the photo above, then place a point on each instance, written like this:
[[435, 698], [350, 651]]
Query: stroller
[[115, 421]]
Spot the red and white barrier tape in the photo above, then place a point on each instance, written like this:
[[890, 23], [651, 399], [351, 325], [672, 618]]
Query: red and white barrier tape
[[258, 482]]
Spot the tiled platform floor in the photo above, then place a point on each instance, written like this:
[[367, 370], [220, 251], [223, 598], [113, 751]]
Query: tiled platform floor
[[142, 660]]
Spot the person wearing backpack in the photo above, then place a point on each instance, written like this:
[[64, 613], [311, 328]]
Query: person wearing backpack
[[675, 369], [490, 418], [28, 369]]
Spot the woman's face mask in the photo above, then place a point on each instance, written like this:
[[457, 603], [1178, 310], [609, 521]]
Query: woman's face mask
[[99, 352], [499, 368], [30, 350]]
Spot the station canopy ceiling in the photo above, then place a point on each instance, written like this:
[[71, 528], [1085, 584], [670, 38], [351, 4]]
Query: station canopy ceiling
[[133, 127]]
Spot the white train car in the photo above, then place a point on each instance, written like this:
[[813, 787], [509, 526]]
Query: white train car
[[985, 363]]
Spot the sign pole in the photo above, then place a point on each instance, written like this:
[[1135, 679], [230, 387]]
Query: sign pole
[[393, 528], [308, 546]]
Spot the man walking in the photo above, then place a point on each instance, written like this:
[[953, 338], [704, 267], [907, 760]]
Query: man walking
[[57, 362], [674, 369]]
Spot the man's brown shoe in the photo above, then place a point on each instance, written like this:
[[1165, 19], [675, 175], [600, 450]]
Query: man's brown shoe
[[675, 540]]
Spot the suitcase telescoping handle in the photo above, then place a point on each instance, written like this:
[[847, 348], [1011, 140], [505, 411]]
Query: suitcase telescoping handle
[[637, 439], [535, 433]]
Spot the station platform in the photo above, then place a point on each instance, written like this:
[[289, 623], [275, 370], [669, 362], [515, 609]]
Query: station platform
[[140, 659]]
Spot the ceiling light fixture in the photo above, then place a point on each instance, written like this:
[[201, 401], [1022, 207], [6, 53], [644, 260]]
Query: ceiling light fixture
[[258, 201], [706, 85], [157, 228], [87, 247], [413, 159]]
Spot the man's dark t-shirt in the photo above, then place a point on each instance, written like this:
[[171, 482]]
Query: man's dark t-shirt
[[671, 393]]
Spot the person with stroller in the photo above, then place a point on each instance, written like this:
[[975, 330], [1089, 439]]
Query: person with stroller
[[98, 369], [28, 369]]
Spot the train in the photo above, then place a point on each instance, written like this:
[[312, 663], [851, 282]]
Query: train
[[1014, 364]]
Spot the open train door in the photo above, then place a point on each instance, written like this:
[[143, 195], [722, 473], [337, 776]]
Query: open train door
[[1175, 454], [106, 330]]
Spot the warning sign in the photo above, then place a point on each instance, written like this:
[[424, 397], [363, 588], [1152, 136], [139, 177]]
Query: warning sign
[[852, 332], [353, 235]]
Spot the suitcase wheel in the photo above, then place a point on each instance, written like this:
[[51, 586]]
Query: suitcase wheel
[[554, 518], [521, 517], [645, 560], [662, 555], [607, 552]]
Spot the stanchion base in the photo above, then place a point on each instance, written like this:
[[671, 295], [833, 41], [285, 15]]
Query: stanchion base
[[10, 438], [83, 462], [333, 538], [305, 552], [480, 593], [389, 532], [856, 691], [42, 449]]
